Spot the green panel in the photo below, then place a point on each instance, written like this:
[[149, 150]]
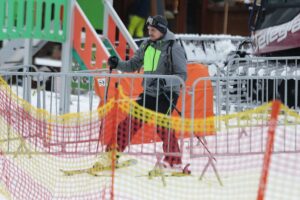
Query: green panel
[[33, 19], [20, 13], [29, 22], [47, 18], [2, 17], [94, 10], [78, 60], [85, 81], [11, 29], [109, 47], [38, 17], [57, 19]]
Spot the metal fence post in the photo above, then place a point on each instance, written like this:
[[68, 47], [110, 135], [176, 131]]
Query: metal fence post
[[67, 61], [27, 62]]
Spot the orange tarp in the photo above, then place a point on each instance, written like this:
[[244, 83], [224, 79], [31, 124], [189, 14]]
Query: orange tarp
[[203, 91]]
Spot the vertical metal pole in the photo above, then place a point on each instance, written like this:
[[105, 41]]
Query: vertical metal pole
[[64, 106], [27, 62], [105, 17]]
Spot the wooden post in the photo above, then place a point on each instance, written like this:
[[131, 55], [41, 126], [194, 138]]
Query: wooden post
[[153, 8], [204, 15], [181, 18], [226, 9]]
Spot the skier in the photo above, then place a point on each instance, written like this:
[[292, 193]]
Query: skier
[[153, 56], [137, 18]]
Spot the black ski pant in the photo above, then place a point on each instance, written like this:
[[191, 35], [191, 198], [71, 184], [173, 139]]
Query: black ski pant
[[130, 125]]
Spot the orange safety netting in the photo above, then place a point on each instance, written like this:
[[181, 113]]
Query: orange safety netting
[[203, 108], [75, 140], [148, 122], [60, 133]]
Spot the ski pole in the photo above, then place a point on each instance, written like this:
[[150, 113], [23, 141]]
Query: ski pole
[[173, 105], [107, 87], [167, 97], [105, 99]]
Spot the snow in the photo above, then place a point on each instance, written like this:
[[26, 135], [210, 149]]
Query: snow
[[50, 101], [239, 174], [206, 51]]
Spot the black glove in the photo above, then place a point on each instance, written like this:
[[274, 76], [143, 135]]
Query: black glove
[[113, 62]]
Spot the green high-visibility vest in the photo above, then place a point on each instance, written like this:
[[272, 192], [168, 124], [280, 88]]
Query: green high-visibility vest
[[151, 59]]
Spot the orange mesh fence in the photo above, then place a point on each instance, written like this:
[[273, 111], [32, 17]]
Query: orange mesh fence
[[268, 152], [45, 156], [63, 133], [145, 123]]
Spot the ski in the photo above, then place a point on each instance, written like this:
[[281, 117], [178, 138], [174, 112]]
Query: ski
[[159, 173], [98, 167]]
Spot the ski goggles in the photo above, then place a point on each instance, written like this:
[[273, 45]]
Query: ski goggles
[[152, 22]]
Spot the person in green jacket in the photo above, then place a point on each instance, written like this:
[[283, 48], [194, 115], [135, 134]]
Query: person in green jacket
[[154, 57]]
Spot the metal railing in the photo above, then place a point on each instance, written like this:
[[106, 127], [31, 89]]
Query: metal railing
[[45, 95], [114, 24], [265, 79]]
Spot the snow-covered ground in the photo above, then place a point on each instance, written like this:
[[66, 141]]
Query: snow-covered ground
[[239, 174], [50, 101], [239, 170]]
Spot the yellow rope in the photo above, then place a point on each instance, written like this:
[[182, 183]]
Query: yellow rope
[[209, 125]]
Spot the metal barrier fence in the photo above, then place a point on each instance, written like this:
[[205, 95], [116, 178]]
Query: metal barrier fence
[[235, 130], [232, 139], [275, 78], [39, 121], [241, 124]]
